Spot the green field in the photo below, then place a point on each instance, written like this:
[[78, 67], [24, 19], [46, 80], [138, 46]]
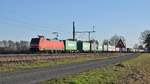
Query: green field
[[7, 67], [134, 71]]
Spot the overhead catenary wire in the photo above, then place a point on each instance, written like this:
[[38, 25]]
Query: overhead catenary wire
[[26, 28], [45, 28], [29, 26]]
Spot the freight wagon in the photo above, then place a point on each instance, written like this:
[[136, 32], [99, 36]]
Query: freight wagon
[[100, 48], [105, 48], [70, 46], [111, 48], [94, 46], [83, 46]]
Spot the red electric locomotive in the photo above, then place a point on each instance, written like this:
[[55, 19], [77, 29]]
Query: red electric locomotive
[[43, 44]]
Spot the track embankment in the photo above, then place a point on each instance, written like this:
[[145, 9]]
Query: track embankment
[[37, 75]]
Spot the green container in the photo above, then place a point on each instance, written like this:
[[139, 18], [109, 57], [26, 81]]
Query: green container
[[70, 45], [83, 46]]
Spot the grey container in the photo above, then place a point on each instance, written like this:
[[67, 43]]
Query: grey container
[[94, 46]]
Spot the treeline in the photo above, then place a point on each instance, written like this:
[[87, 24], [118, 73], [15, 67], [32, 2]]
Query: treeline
[[14, 47]]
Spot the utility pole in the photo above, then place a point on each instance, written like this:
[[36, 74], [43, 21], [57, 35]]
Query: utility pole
[[74, 30]]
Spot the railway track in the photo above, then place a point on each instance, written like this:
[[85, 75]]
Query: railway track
[[34, 57]]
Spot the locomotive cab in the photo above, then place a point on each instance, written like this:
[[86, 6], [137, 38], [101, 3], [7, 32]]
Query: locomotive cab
[[34, 45]]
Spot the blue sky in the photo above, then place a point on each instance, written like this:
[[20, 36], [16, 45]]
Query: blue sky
[[24, 19]]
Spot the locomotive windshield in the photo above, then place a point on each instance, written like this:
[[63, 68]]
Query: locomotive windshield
[[35, 41]]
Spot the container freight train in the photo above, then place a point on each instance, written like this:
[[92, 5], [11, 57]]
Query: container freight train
[[41, 44]]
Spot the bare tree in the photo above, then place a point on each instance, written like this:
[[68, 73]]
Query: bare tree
[[114, 40], [24, 45], [140, 47], [145, 39], [105, 43], [6, 44], [11, 46]]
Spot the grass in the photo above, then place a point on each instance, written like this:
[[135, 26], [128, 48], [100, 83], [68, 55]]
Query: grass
[[134, 71], [10, 67]]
